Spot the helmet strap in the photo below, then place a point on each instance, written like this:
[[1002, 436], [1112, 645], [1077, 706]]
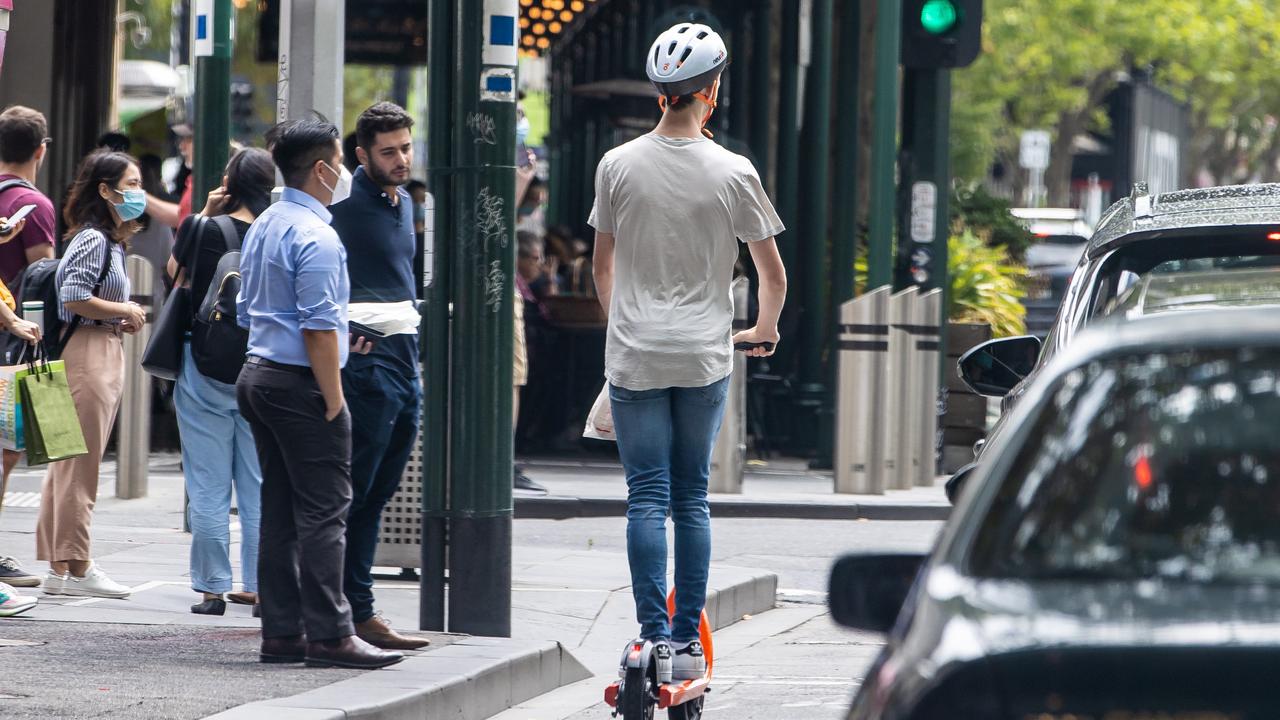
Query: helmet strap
[[710, 100]]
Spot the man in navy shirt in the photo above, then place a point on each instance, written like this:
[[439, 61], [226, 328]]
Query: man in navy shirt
[[293, 299], [382, 388]]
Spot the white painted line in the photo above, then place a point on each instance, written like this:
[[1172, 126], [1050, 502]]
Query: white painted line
[[132, 591]]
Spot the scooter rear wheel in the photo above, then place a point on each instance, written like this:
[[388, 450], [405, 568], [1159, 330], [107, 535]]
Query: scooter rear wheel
[[639, 694], [691, 710]]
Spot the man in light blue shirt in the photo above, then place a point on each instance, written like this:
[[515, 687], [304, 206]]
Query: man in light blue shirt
[[293, 299]]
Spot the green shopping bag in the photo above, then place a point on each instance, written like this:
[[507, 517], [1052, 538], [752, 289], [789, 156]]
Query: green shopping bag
[[50, 424]]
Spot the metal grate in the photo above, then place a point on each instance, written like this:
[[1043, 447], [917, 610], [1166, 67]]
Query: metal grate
[[400, 539]]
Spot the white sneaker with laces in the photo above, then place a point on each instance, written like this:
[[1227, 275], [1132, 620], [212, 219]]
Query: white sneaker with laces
[[662, 659], [54, 584], [11, 603], [690, 663], [95, 583]]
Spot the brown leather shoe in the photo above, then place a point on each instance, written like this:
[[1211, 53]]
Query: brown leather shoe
[[377, 632], [291, 649], [349, 652]]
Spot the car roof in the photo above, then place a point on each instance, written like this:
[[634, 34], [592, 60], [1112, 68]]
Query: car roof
[[1219, 327], [1232, 205]]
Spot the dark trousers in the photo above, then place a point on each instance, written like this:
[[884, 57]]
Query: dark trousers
[[306, 490], [385, 406]]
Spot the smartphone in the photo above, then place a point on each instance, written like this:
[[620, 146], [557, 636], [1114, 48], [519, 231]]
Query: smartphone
[[7, 226], [364, 331]]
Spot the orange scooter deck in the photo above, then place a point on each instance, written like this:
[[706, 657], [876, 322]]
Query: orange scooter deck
[[684, 691]]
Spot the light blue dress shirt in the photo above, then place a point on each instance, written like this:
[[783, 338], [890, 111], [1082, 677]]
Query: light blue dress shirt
[[293, 277]]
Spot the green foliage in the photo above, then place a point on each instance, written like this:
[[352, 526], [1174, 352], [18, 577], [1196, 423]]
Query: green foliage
[[1050, 64], [987, 216], [986, 285]]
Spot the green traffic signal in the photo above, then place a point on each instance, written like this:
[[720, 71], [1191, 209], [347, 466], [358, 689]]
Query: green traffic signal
[[938, 17]]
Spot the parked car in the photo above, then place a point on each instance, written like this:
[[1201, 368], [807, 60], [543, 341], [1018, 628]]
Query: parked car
[[1061, 236], [1117, 555], [1141, 236]]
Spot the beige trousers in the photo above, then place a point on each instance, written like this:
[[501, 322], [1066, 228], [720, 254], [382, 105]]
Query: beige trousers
[[94, 359]]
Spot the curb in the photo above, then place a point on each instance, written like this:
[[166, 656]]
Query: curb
[[471, 679], [552, 507], [477, 677]]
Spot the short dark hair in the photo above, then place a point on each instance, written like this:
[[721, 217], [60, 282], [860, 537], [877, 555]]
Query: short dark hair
[[528, 244], [379, 118], [85, 207], [412, 185], [22, 132], [250, 177], [681, 103], [297, 145]]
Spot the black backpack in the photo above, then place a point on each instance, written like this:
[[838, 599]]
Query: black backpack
[[218, 343], [38, 282]]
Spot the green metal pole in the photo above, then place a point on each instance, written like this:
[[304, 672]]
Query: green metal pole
[[483, 289], [761, 57], [213, 105], [815, 269], [788, 123], [844, 230], [435, 338], [884, 142]]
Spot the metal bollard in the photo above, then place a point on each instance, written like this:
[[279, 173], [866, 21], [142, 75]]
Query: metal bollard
[[133, 442], [930, 318], [899, 464], [860, 401], [729, 457]]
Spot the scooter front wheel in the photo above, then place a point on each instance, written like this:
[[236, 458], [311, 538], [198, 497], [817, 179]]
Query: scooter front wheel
[[639, 693]]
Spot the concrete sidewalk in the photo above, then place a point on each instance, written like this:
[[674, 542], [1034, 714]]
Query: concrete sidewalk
[[778, 489], [148, 656]]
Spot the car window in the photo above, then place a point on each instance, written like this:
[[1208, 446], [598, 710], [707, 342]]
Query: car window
[[1161, 466]]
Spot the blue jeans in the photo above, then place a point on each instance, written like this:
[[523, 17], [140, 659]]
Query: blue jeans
[[217, 454], [384, 408], [665, 438]]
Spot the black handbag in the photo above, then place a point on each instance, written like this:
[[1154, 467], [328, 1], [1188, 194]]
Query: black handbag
[[163, 356]]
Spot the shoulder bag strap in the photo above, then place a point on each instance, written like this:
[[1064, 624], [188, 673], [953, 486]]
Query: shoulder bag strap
[[229, 233]]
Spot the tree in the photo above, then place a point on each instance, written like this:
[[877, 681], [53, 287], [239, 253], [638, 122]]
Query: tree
[[1051, 64]]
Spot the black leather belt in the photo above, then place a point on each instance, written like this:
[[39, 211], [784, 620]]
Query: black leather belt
[[263, 362]]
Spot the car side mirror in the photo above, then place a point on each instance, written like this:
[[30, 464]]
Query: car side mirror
[[868, 591], [995, 367]]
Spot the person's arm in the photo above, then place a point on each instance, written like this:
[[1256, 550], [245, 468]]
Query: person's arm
[[322, 351], [319, 268], [42, 251], [23, 329], [772, 295], [602, 268], [164, 212], [83, 268]]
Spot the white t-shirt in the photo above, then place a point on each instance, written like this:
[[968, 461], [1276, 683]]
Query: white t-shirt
[[676, 208]]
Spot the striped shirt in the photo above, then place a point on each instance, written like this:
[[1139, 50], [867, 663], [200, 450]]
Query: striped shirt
[[80, 268]]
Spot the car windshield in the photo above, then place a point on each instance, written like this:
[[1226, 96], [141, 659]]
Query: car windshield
[[1160, 466], [1128, 266]]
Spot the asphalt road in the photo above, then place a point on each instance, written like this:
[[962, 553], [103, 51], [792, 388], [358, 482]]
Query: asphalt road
[[806, 672]]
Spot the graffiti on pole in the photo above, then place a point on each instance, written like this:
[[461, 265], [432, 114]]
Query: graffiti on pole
[[483, 128]]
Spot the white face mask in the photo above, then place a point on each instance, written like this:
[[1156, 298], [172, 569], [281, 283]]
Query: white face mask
[[342, 189]]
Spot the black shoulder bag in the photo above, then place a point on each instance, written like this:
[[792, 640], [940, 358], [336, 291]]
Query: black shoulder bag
[[163, 356]]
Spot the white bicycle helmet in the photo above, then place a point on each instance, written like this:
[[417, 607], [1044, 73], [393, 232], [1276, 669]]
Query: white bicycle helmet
[[685, 59]]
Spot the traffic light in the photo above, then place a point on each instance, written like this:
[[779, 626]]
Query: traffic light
[[242, 109], [941, 33]]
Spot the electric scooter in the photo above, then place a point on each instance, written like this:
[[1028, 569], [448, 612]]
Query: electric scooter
[[637, 693]]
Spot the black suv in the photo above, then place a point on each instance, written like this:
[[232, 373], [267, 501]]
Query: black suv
[[1139, 238]]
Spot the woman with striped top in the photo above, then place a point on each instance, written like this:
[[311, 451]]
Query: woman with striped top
[[101, 213]]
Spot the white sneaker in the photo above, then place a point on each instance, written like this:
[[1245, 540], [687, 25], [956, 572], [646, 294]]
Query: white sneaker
[[689, 663], [95, 583], [11, 603], [662, 661], [54, 584]]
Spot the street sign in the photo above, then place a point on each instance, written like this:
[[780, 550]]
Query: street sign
[[924, 208], [501, 34], [202, 29], [1034, 150]]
